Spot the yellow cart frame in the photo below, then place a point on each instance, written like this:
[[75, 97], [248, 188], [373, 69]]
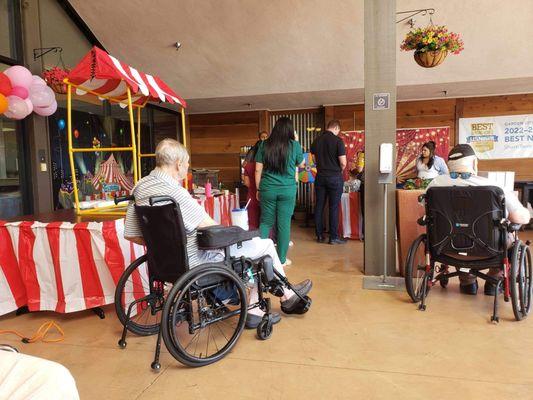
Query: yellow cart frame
[[134, 149]]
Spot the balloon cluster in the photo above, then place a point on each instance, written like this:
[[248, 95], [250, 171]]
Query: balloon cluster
[[22, 93]]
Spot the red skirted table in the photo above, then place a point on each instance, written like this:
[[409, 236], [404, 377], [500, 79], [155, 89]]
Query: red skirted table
[[350, 217], [67, 267]]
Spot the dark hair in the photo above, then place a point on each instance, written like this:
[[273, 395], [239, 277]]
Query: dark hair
[[431, 147], [334, 123], [250, 155], [277, 146]]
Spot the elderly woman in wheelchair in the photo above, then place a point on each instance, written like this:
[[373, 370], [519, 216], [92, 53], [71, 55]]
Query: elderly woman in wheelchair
[[472, 225], [199, 284]]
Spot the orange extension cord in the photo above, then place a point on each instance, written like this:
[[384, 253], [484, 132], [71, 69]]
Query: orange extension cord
[[40, 334]]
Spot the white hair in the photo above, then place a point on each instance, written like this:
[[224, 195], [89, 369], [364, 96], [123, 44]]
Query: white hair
[[169, 152], [464, 164]]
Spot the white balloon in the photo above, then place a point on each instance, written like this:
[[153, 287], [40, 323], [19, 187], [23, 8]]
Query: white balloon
[[29, 104], [41, 96], [37, 80], [17, 108], [46, 111]]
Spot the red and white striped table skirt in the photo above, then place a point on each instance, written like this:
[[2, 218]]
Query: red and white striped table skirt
[[60, 266], [350, 218], [66, 267]]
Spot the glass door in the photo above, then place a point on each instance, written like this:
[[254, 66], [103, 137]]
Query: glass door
[[11, 198]]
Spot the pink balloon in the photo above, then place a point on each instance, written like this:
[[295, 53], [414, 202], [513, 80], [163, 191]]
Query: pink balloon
[[37, 80], [46, 111], [17, 108], [29, 104], [19, 76], [19, 91], [41, 96]]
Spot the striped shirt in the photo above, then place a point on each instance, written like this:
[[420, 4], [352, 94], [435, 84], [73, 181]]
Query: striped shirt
[[159, 183]]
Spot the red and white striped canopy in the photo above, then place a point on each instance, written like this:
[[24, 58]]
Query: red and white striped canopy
[[110, 172], [103, 74]]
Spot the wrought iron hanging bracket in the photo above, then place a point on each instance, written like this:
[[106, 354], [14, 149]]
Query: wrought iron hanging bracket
[[412, 13], [41, 51]]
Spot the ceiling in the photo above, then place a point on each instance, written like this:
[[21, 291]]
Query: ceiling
[[280, 54]]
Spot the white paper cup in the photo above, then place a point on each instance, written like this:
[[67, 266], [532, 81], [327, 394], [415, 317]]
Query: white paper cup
[[239, 217]]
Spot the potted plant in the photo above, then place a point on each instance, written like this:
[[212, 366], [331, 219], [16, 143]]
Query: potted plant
[[432, 44], [54, 78]]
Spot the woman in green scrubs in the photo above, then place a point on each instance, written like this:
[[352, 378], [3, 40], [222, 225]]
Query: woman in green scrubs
[[275, 175]]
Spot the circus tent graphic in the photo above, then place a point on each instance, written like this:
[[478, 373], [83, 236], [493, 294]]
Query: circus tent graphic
[[111, 172]]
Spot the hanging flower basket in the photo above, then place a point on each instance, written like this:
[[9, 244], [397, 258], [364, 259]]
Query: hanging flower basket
[[54, 78], [432, 44], [430, 59]]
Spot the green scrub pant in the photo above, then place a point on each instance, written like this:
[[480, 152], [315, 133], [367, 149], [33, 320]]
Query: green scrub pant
[[277, 207]]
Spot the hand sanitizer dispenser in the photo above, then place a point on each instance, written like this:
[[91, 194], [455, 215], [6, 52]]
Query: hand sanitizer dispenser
[[385, 158]]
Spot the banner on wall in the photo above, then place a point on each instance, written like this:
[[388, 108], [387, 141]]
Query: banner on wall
[[498, 137], [409, 144]]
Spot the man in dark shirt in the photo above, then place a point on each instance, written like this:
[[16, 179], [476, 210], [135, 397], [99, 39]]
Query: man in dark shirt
[[330, 155]]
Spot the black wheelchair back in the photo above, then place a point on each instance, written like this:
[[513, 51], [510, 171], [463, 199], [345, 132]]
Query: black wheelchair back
[[199, 312], [467, 228]]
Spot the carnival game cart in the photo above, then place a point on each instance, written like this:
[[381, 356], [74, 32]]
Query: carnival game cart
[[104, 76]]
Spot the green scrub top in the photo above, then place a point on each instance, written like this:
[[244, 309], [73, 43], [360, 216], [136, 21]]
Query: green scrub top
[[271, 179]]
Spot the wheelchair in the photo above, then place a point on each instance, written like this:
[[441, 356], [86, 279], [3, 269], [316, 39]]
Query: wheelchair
[[199, 312], [467, 229]]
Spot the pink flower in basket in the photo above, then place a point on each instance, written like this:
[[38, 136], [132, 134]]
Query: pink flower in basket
[[54, 77]]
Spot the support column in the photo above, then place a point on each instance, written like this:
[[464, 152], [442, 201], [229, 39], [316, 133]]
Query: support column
[[37, 126], [380, 127]]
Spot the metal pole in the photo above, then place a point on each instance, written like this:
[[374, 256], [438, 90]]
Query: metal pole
[[384, 232]]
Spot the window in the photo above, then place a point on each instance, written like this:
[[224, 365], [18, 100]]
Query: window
[[165, 125], [10, 188], [8, 30]]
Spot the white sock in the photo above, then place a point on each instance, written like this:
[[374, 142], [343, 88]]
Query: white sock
[[254, 297]]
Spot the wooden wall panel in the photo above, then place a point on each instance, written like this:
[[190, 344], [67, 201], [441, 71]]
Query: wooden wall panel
[[498, 105], [216, 140], [232, 118]]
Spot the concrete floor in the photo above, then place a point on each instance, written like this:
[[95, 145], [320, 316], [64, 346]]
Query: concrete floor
[[354, 343]]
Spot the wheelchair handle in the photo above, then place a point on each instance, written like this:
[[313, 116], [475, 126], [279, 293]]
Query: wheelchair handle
[[422, 221], [123, 198], [514, 227], [158, 199], [510, 226]]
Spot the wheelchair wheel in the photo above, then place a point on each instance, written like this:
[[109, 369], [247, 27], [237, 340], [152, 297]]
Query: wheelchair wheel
[[134, 284], [415, 269], [520, 280], [201, 328], [264, 329]]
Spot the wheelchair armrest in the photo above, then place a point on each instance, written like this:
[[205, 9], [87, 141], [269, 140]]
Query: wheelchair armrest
[[218, 236]]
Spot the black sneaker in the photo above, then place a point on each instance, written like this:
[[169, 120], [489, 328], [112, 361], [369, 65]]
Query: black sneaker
[[320, 239], [337, 241], [470, 289], [304, 287], [490, 289]]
